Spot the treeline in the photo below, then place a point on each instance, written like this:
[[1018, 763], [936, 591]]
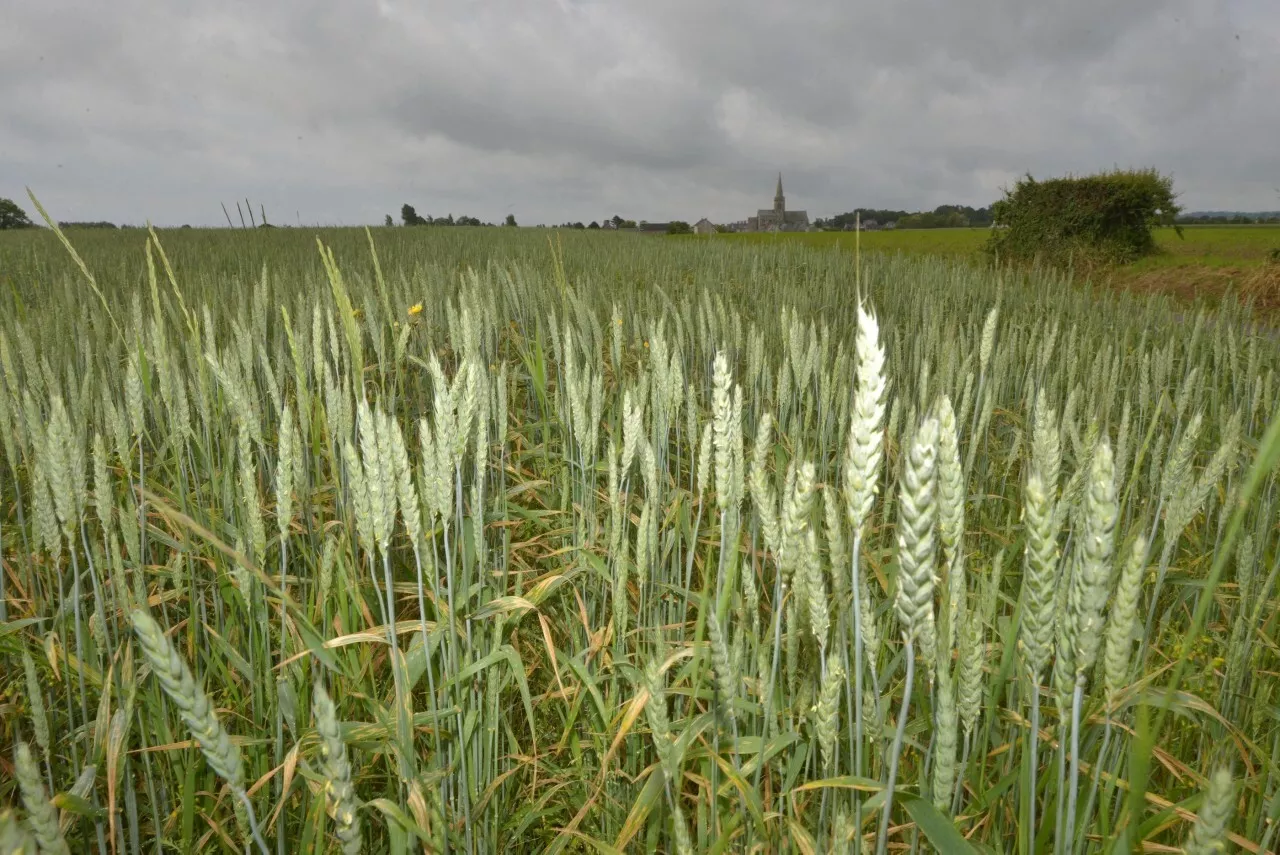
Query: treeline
[[103, 224], [410, 217], [1230, 219], [614, 222], [941, 217]]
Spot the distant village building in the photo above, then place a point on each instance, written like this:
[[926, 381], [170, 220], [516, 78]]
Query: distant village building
[[704, 227], [779, 218], [653, 228]]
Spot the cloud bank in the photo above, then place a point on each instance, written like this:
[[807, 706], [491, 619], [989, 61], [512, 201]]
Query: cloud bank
[[559, 110]]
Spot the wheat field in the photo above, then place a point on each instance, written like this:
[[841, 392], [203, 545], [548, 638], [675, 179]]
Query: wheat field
[[467, 540]]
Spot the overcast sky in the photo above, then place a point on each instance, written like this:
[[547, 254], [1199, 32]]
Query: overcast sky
[[555, 110]]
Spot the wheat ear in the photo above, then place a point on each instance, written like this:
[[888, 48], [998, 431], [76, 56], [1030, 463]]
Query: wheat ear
[[15, 838], [1209, 834], [41, 814], [339, 790], [194, 708], [914, 603]]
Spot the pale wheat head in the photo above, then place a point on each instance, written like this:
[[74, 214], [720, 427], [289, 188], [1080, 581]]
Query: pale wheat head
[[1122, 619], [917, 508], [1093, 563], [865, 448]]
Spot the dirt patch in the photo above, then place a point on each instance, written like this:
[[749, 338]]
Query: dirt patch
[[1258, 284], [1263, 288]]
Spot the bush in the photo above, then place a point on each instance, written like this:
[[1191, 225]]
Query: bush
[[1105, 218]]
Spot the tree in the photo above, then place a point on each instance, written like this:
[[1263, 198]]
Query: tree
[[679, 227], [617, 221], [389, 222], [13, 217], [1098, 219], [593, 225], [410, 216], [511, 220]]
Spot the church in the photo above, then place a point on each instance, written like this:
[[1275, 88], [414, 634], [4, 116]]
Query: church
[[778, 219]]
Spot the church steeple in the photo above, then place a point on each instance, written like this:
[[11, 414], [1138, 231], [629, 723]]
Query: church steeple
[[779, 201]]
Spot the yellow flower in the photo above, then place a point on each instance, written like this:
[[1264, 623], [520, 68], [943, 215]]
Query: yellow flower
[[357, 313], [619, 322], [646, 344], [415, 309]]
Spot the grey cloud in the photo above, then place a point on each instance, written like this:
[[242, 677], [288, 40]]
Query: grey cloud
[[577, 109]]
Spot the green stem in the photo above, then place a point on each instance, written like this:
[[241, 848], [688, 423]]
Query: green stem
[[882, 838]]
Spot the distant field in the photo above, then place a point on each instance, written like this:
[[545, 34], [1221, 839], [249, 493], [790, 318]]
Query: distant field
[[949, 242], [1220, 244], [1207, 261], [1210, 245]]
